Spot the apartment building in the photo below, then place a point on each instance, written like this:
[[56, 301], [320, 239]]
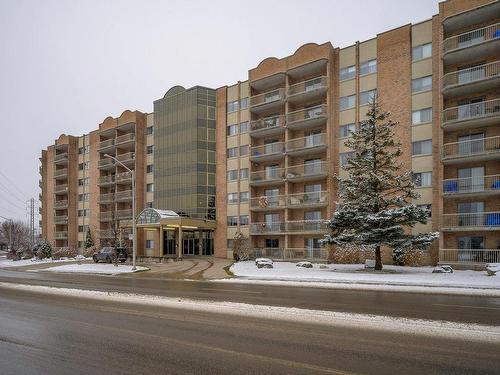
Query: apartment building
[[259, 156]]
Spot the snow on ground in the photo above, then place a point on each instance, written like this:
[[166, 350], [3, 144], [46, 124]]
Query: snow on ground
[[406, 326], [108, 269], [356, 274], [5, 263]]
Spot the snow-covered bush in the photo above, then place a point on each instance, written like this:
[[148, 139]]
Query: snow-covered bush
[[351, 254], [43, 250], [408, 257], [64, 252], [241, 247]]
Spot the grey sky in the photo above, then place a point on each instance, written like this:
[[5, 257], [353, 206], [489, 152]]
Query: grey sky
[[67, 65]]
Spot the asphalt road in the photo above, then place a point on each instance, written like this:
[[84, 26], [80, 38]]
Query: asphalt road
[[481, 310]]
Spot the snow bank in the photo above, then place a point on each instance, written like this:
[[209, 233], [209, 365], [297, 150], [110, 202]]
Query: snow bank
[[107, 269], [5, 263], [355, 274]]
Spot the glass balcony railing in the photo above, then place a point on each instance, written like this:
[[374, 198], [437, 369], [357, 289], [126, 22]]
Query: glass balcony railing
[[307, 170], [106, 198], [273, 122], [61, 172], [267, 97], [269, 149], [307, 114], [123, 195], [299, 226], [107, 143], [306, 143], [267, 175]]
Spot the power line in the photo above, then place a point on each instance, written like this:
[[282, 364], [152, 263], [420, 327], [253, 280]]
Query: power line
[[13, 184], [5, 189], [14, 204]]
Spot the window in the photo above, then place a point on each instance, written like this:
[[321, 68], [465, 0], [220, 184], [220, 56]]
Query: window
[[344, 157], [82, 228], [243, 103], [347, 102], [244, 150], [422, 147], [150, 130], [232, 106], [244, 220], [230, 243], [232, 152], [421, 84], [83, 181], [421, 116], [272, 243], [244, 127], [427, 207], [83, 197], [150, 149], [149, 168], [232, 175], [150, 188], [232, 198], [368, 67], [84, 166], [232, 130], [346, 130], [312, 215], [348, 72], [243, 173], [150, 244], [232, 221], [421, 52], [149, 204], [366, 97], [83, 213], [84, 150], [243, 196], [422, 179]]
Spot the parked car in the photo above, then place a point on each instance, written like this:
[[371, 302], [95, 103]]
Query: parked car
[[109, 254]]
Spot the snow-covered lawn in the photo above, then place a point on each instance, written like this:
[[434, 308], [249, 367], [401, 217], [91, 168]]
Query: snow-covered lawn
[[5, 263], [108, 269], [355, 273]]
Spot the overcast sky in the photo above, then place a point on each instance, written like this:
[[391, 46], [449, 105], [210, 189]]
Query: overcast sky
[[67, 65]]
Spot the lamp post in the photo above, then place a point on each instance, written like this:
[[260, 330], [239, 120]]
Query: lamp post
[[134, 244]]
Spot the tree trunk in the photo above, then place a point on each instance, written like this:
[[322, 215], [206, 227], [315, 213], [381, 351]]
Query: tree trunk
[[378, 259]]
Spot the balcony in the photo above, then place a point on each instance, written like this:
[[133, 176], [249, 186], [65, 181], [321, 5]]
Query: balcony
[[106, 163], [124, 214], [268, 152], [106, 234], [289, 227], [123, 196], [307, 118], [268, 203], [307, 172], [468, 256], [126, 158], [268, 177], [61, 204], [267, 126], [125, 140], [307, 145], [317, 254], [106, 216], [307, 91], [106, 180], [61, 159], [477, 186], [307, 200], [107, 145], [106, 198], [472, 80], [269, 102], [124, 178], [473, 150], [61, 235], [478, 221], [472, 45], [60, 219], [61, 189], [471, 115], [61, 173]]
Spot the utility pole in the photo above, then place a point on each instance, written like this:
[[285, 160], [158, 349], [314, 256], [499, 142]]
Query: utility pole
[[10, 231], [32, 223]]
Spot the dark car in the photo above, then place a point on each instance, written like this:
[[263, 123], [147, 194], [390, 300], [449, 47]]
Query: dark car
[[109, 254]]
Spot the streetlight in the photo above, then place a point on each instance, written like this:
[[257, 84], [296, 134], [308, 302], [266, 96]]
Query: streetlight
[[134, 244]]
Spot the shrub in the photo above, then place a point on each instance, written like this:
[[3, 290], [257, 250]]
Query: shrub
[[88, 252], [350, 254], [64, 252], [43, 250], [408, 258]]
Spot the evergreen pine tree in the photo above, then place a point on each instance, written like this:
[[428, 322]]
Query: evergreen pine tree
[[375, 208], [88, 239]]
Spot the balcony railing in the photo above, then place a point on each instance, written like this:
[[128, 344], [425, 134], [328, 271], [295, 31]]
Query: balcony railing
[[469, 255], [307, 199], [61, 157], [60, 172], [471, 38], [125, 138], [264, 228], [307, 115], [308, 86], [106, 162], [469, 75], [107, 143], [124, 214], [475, 147], [106, 180], [267, 175], [267, 150], [124, 177], [61, 188], [273, 122], [61, 235], [291, 254], [307, 170], [123, 195], [60, 204], [126, 156], [478, 184], [300, 226], [306, 143], [482, 220], [60, 219], [268, 202], [106, 216], [106, 198], [472, 111], [267, 97]]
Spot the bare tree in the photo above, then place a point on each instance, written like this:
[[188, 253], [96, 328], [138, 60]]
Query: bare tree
[[16, 235], [241, 247]]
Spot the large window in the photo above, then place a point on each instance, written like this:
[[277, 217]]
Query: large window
[[368, 67], [150, 130], [232, 198], [421, 52], [244, 150], [422, 147], [244, 220], [348, 72], [346, 130], [243, 173], [232, 221], [150, 149], [346, 102], [244, 127], [232, 130], [232, 175], [232, 106], [243, 103], [150, 188], [422, 179], [149, 168], [244, 196], [344, 157], [366, 97], [421, 116], [421, 84], [232, 152]]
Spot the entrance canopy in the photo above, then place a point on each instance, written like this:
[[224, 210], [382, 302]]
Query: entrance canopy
[[154, 218]]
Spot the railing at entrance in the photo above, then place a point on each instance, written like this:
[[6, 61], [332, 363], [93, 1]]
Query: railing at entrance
[[320, 254]]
